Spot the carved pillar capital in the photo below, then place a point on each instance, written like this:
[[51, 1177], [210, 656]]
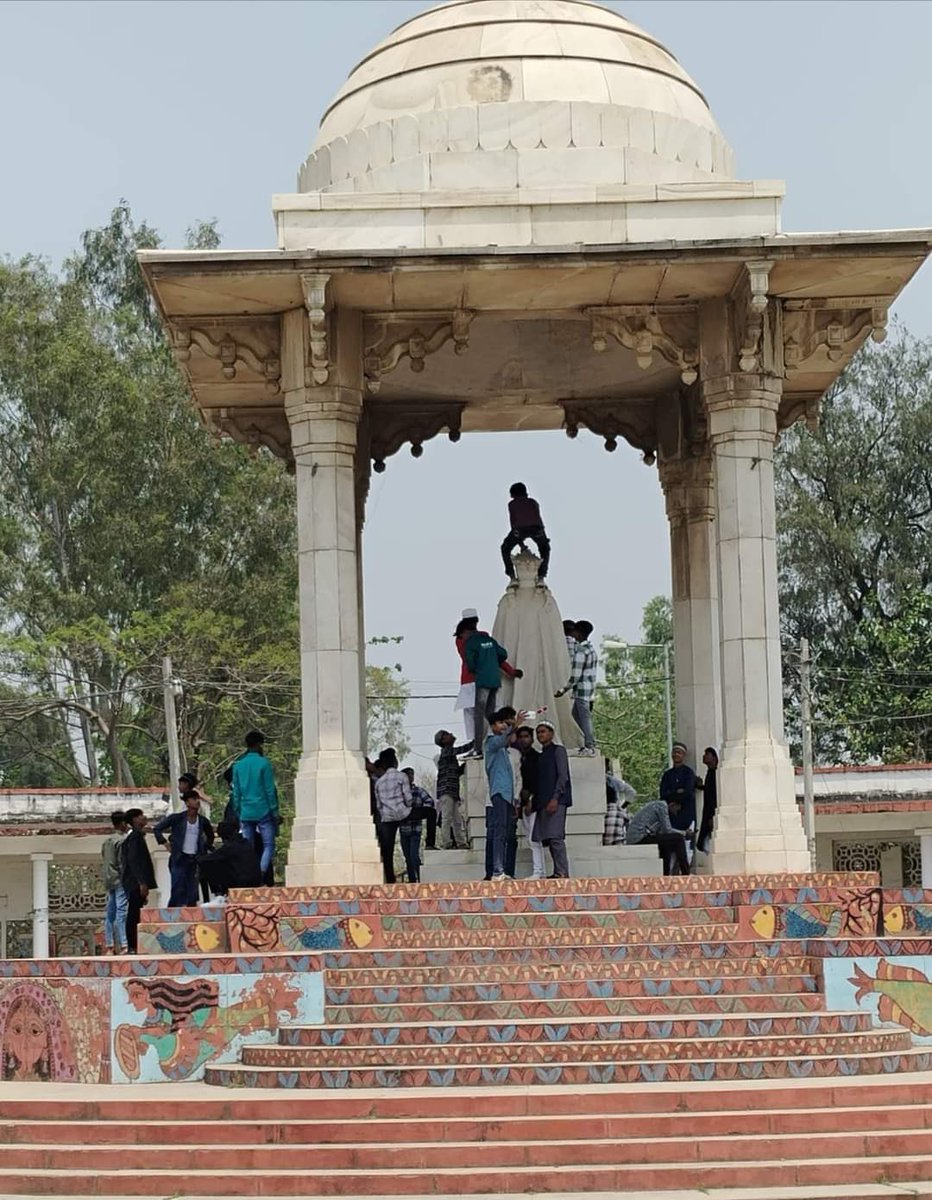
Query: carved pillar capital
[[688, 488], [741, 406]]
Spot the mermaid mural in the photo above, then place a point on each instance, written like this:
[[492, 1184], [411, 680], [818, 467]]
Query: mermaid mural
[[188, 1023]]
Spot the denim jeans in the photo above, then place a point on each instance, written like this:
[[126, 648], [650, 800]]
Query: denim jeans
[[486, 705], [266, 829], [411, 849], [183, 872], [501, 835], [582, 715], [115, 919]]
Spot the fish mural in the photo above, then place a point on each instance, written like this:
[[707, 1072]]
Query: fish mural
[[854, 914], [263, 929], [914, 918], [206, 938], [905, 994]]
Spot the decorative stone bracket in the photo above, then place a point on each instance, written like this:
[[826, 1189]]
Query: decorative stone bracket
[[316, 289], [217, 341], [648, 329], [838, 324], [750, 302], [393, 337], [392, 423], [613, 420]]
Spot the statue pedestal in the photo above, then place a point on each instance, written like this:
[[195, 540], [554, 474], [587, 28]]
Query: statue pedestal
[[584, 825]]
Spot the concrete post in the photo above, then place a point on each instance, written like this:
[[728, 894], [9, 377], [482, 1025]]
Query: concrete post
[[40, 904]]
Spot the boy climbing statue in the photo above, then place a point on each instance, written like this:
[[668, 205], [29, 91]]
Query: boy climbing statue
[[526, 523]]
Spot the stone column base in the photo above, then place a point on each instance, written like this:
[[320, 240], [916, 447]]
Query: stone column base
[[333, 841], [758, 827]]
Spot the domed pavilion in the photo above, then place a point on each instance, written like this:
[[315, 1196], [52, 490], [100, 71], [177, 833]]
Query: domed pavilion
[[521, 214]]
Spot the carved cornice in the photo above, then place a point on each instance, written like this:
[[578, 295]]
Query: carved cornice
[[237, 344], [839, 325], [392, 337], [392, 423], [316, 290], [649, 329], [612, 420], [750, 302]]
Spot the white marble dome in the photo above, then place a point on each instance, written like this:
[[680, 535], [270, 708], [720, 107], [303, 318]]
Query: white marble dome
[[502, 94]]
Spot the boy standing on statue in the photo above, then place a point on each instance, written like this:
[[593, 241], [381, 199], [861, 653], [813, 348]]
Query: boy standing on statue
[[584, 664], [526, 522], [486, 660]]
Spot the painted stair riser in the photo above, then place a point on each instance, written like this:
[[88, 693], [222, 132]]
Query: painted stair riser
[[421, 1157], [712, 942], [886, 1124], [545, 935], [413, 927], [570, 989], [577, 1029], [515, 1010], [418, 905], [570, 1074], [561, 1047], [641, 971], [632, 885]]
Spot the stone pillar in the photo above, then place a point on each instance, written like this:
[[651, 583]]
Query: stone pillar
[[163, 877], [925, 857], [333, 840], [687, 485], [758, 824], [40, 905]]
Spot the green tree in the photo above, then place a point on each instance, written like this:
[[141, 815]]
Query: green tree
[[854, 528], [630, 717], [387, 693], [134, 536]]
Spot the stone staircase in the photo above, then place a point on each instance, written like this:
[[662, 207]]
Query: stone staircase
[[580, 983], [701, 1054]]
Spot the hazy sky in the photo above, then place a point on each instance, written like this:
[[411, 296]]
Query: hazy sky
[[204, 109]]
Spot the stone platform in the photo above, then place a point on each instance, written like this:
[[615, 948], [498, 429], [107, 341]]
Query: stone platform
[[584, 826]]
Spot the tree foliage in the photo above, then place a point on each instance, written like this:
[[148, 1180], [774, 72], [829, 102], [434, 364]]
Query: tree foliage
[[630, 718], [127, 534], [855, 542], [387, 694]]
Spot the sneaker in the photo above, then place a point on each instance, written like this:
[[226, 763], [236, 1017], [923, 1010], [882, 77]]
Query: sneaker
[[499, 878], [587, 752]]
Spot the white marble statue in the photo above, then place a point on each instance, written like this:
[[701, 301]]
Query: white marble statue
[[528, 624]]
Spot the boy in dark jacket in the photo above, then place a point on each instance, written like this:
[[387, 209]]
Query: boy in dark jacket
[[526, 522], [233, 864], [138, 874]]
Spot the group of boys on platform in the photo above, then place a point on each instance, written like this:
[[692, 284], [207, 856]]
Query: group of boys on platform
[[198, 867]]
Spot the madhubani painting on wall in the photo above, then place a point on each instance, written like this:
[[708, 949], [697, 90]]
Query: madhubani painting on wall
[[894, 990], [55, 1030], [170, 1027]]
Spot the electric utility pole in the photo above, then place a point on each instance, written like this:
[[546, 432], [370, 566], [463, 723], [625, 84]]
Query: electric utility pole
[[170, 690], [805, 703]]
